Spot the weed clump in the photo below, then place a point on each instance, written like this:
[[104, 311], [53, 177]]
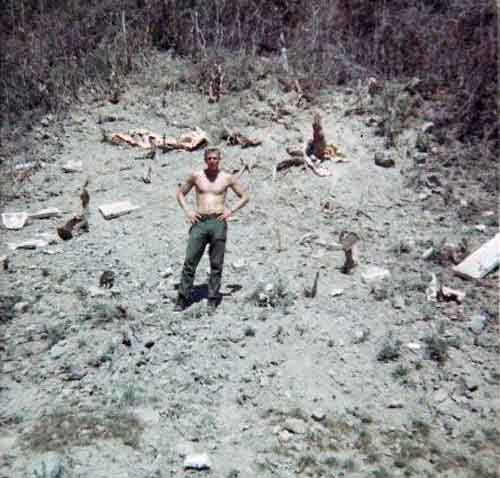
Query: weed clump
[[391, 349]]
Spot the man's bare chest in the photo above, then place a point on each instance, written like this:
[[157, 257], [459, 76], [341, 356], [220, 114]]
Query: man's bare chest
[[217, 187]]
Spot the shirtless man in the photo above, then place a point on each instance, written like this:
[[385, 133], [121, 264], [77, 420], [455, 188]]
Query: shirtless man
[[208, 224]]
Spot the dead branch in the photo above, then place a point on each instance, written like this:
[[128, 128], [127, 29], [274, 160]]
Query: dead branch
[[319, 141], [311, 293]]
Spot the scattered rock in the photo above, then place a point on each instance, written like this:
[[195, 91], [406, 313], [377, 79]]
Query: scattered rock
[[427, 127], [167, 272], [45, 213], [76, 373], [199, 461], [73, 167], [117, 209], [318, 415], [30, 244], [384, 159], [478, 323], [239, 265], [336, 292], [420, 159], [295, 425], [57, 351], [21, 307], [360, 335], [395, 404], [14, 220], [375, 274], [4, 263], [447, 294], [440, 396]]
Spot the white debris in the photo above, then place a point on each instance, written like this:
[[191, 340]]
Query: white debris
[[413, 346], [452, 294], [14, 220], [481, 262], [295, 425], [30, 244], [375, 274], [197, 462], [117, 209], [45, 213], [432, 289], [73, 167]]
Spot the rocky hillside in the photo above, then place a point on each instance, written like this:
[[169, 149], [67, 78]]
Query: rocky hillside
[[389, 370]]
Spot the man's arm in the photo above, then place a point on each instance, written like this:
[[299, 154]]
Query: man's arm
[[241, 192], [182, 191]]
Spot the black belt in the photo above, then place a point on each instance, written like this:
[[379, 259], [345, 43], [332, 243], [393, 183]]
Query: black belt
[[204, 217]]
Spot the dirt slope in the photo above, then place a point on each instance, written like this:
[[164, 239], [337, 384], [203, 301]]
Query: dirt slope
[[370, 381]]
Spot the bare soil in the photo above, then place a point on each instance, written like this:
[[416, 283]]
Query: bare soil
[[363, 380]]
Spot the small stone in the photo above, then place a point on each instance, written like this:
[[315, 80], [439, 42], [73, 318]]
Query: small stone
[[57, 351], [116, 209], [420, 158], [318, 415], [427, 127], [76, 373], [336, 292], [375, 274], [295, 425], [413, 346], [452, 294], [472, 383], [428, 253], [239, 265], [478, 323], [284, 436], [395, 404], [199, 461], [21, 307], [398, 302], [46, 213], [480, 227], [167, 272], [73, 167], [384, 160], [31, 244], [440, 396]]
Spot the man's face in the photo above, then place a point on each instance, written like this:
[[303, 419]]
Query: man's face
[[212, 161]]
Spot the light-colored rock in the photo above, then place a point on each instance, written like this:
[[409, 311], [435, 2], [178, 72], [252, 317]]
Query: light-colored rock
[[318, 415], [57, 351], [239, 264], [427, 127], [453, 294], [480, 227], [117, 209], [14, 220], [73, 167], [295, 425], [481, 262], [432, 289], [375, 274], [45, 213], [199, 461], [384, 160], [336, 292], [428, 253], [413, 346], [478, 323], [30, 244], [167, 272], [440, 395], [21, 307]]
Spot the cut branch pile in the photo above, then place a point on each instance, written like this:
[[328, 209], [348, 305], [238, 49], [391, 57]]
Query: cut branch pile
[[144, 138]]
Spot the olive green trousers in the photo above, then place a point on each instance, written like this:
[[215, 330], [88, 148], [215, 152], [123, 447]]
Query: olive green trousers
[[207, 231]]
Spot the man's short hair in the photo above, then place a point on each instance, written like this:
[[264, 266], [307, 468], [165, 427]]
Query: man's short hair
[[210, 151]]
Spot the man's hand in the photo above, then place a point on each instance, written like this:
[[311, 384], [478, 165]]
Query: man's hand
[[193, 217], [225, 215]]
